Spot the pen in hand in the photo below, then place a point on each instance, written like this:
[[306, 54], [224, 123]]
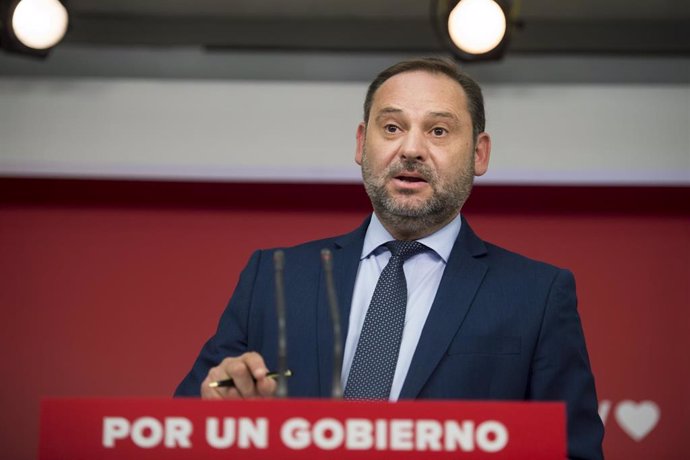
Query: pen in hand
[[228, 383]]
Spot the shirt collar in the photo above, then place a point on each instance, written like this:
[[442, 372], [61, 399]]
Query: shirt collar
[[441, 241]]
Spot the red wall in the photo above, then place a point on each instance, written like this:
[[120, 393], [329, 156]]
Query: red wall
[[110, 288]]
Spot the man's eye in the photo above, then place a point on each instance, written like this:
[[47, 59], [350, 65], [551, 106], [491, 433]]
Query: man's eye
[[390, 129], [439, 131]]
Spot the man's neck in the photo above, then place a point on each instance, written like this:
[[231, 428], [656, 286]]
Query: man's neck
[[413, 229]]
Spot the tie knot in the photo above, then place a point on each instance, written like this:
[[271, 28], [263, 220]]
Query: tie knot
[[405, 249]]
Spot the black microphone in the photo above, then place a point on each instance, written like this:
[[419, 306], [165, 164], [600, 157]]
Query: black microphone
[[327, 262], [278, 266]]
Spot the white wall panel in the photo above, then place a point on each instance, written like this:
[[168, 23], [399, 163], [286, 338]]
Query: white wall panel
[[304, 131]]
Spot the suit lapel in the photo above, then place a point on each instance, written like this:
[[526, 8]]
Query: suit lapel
[[347, 251], [461, 279]]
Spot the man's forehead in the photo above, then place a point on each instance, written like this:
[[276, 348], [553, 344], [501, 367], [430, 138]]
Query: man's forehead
[[440, 94], [421, 74]]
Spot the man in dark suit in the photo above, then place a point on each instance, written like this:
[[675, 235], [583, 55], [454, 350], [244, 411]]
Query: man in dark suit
[[474, 321]]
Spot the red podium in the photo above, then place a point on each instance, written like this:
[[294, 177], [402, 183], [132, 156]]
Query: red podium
[[299, 429]]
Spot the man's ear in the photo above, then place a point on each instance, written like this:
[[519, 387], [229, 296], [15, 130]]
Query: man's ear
[[361, 135], [482, 152]]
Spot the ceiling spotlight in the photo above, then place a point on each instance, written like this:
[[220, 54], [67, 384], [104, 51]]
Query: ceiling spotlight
[[32, 26], [39, 24], [472, 29]]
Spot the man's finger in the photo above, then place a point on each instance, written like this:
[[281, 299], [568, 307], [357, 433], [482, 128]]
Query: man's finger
[[255, 363], [266, 386], [241, 376]]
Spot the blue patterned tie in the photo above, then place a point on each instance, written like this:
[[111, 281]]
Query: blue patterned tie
[[373, 367]]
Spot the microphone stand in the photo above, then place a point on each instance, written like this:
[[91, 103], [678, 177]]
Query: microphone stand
[[278, 266], [327, 262]]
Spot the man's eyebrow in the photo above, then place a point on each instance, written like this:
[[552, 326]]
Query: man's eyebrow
[[387, 111], [450, 115], [435, 114]]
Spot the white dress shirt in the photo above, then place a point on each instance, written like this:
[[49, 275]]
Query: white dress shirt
[[423, 273]]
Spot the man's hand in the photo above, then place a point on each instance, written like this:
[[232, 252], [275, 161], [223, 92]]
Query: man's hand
[[248, 372]]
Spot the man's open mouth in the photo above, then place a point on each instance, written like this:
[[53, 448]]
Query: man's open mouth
[[410, 178]]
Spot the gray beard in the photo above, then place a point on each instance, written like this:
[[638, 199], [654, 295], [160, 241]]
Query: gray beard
[[417, 219]]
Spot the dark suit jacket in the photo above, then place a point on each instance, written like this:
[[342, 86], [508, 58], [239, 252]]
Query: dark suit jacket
[[502, 327]]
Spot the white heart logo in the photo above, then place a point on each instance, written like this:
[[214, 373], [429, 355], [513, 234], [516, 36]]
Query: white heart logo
[[637, 419]]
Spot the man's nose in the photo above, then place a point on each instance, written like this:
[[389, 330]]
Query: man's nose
[[414, 146]]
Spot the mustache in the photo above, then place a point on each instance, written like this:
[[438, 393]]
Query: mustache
[[424, 171]]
